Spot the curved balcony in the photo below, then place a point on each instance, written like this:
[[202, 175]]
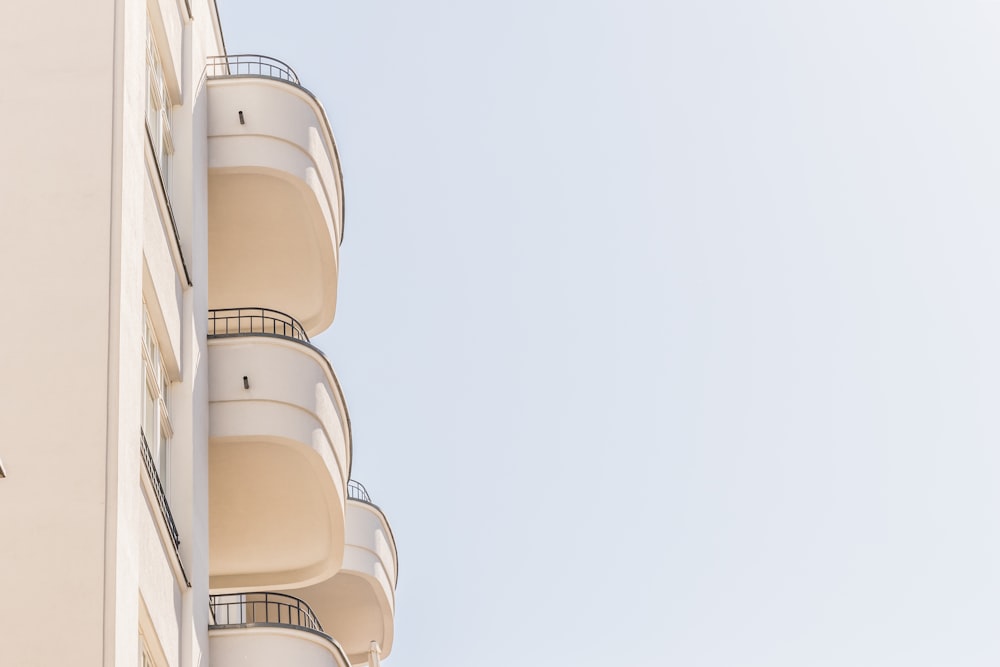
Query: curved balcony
[[357, 606], [265, 629], [275, 191], [279, 454]]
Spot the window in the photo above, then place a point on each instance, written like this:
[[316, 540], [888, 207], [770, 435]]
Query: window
[[155, 405], [158, 107]]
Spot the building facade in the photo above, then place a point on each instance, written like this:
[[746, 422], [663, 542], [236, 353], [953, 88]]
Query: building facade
[[175, 487]]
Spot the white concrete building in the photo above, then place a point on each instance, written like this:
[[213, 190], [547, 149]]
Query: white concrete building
[[175, 487]]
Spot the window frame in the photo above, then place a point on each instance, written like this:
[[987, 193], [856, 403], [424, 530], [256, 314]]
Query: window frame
[[156, 397], [158, 107]]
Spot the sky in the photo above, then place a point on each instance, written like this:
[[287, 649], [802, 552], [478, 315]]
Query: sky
[[669, 329]]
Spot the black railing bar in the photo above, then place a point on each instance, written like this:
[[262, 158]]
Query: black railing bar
[[357, 490], [260, 309], [274, 606], [248, 62], [161, 500], [288, 323], [170, 211]]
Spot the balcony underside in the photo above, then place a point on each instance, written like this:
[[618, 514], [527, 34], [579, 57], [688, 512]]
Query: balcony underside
[[267, 245], [355, 609], [274, 515], [279, 456], [357, 606]]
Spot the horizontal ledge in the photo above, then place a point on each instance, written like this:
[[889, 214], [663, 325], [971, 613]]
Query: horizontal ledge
[[327, 130], [392, 538], [337, 649], [329, 366]]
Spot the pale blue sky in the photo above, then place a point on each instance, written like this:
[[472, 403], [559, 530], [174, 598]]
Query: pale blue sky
[[669, 329]]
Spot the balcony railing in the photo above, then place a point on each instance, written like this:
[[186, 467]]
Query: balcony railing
[[237, 610], [254, 321], [357, 491], [161, 497], [249, 65]]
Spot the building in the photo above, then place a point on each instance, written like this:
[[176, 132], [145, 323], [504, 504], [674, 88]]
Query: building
[[175, 488]]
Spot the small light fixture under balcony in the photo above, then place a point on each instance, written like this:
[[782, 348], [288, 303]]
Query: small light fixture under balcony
[[246, 382], [242, 121]]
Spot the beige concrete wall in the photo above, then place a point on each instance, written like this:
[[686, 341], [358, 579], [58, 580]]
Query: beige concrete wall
[[162, 593], [74, 218], [189, 199], [162, 279], [70, 419], [167, 19]]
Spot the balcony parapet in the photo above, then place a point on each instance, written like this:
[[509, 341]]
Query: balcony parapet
[[357, 491], [259, 321], [256, 66]]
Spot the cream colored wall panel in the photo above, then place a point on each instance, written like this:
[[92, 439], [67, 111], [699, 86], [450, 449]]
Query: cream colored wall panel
[[167, 19], [158, 584], [279, 372], [55, 218], [165, 283], [275, 109]]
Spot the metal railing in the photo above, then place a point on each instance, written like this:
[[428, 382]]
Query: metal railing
[[357, 491], [242, 321], [161, 497], [245, 609], [251, 65]]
